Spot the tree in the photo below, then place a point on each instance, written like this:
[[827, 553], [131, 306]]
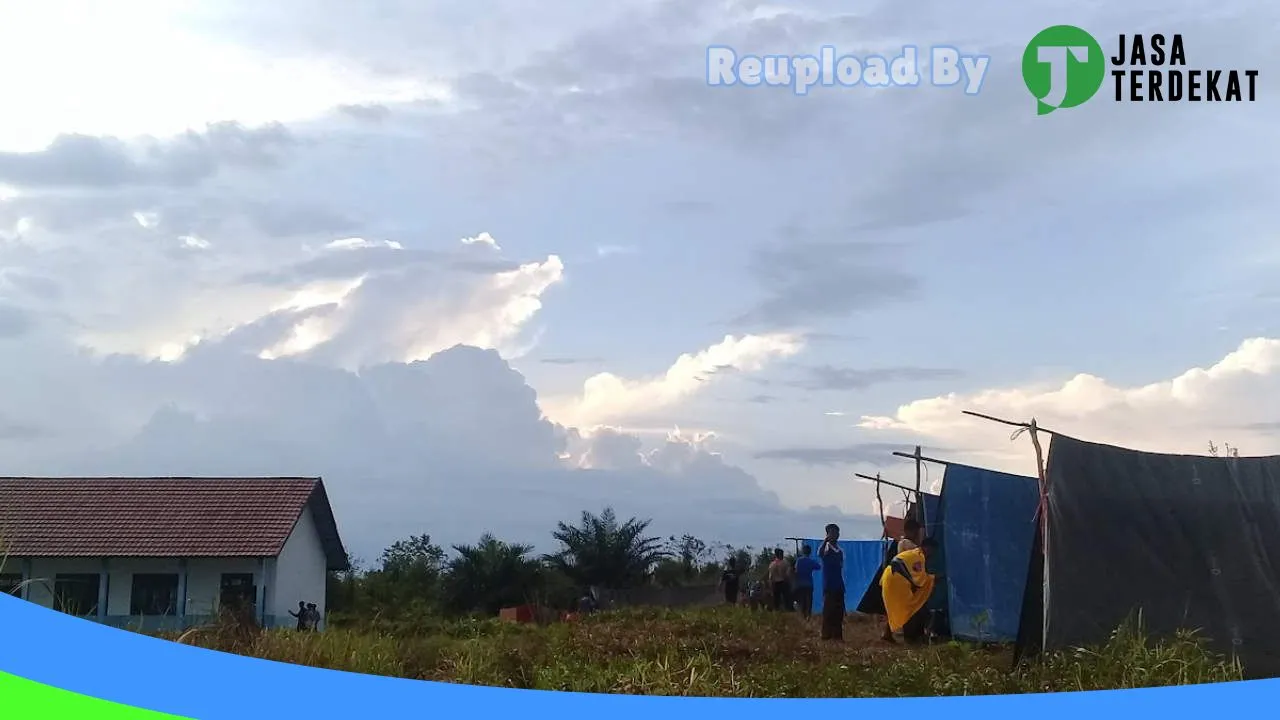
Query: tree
[[491, 575], [761, 564], [414, 556], [408, 575], [603, 552], [342, 588], [685, 561]]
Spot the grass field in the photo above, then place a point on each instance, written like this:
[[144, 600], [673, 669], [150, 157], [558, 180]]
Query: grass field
[[716, 652]]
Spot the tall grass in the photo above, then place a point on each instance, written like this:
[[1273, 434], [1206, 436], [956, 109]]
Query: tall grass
[[725, 652]]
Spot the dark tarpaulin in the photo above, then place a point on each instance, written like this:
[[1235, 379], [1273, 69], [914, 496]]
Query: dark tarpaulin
[[1189, 542], [988, 529]]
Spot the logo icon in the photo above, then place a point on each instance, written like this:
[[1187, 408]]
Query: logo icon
[[1063, 66]]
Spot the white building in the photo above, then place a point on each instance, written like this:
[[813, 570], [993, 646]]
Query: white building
[[168, 553]]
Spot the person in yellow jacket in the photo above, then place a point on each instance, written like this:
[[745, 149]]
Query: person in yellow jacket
[[906, 587]]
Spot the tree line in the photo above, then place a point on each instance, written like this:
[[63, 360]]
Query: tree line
[[415, 576]]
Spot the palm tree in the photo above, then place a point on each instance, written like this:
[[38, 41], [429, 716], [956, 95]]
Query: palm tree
[[491, 575], [600, 551]]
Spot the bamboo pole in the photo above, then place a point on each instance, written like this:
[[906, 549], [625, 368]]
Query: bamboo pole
[[878, 481], [923, 458]]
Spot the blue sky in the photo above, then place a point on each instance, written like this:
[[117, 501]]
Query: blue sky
[[845, 271]]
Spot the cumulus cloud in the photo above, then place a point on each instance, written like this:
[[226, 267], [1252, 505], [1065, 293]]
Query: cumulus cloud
[[190, 158], [1227, 401], [484, 239], [348, 302], [454, 445], [607, 397]]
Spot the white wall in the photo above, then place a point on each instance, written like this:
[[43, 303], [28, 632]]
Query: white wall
[[299, 571], [204, 581], [297, 574], [40, 590], [204, 577], [120, 579]]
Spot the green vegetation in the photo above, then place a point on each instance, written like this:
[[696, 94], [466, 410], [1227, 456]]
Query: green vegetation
[[422, 612], [415, 578], [717, 652]]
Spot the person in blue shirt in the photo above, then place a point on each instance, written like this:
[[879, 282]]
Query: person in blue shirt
[[806, 566], [832, 585]]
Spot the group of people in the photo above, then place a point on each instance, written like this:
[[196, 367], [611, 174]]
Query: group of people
[[308, 616], [905, 583]]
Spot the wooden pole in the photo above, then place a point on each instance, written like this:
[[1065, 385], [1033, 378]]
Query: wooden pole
[[920, 514], [880, 505], [878, 482], [1044, 528], [1043, 481], [797, 540], [1011, 423], [923, 458]]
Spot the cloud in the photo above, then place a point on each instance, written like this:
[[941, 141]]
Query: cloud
[[356, 243], [605, 251], [185, 160], [570, 361], [1223, 402], [14, 322], [606, 397], [372, 112], [347, 301], [454, 445], [689, 208], [827, 377], [875, 454], [814, 281], [483, 239]]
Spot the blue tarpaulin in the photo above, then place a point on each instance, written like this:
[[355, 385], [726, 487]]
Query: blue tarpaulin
[[988, 525], [862, 559]]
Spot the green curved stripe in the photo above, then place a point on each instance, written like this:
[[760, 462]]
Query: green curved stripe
[[32, 700]]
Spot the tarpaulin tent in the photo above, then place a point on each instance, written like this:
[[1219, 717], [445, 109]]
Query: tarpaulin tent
[[862, 558], [870, 601], [988, 527], [1188, 542]]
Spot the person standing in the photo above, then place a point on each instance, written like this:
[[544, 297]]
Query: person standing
[[313, 617], [301, 615], [910, 539], [779, 577], [832, 558], [730, 581], [806, 566]]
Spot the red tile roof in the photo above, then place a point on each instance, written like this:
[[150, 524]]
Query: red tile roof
[[161, 517]]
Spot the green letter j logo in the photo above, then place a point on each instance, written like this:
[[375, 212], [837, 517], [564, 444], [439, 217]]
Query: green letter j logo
[[1063, 66]]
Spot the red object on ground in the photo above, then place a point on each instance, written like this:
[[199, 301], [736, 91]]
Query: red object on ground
[[519, 614]]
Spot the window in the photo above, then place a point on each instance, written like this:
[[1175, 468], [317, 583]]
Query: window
[[238, 593], [76, 594], [11, 583], [154, 594]]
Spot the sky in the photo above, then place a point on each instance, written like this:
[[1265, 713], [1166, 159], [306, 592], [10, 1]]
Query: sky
[[485, 266]]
